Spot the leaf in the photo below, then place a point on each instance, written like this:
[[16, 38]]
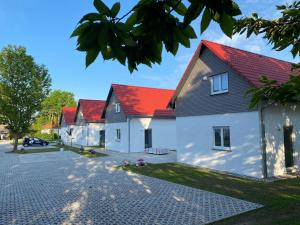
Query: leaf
[[91, 17], [182, 39], [189, 32], [180, 8], [80, 29], [226, 24], [206, 18], [91, 55], [115, 9], [193, 12], [101, 7], [131, 20]]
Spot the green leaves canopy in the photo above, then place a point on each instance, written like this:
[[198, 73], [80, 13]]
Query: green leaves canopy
[[23, 87], [139, 36]]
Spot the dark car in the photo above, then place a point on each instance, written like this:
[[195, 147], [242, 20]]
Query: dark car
[[34, 141]]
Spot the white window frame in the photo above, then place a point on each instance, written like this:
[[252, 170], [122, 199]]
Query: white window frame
[[118, 134], [222, 147], [117, 108], [221, 89]]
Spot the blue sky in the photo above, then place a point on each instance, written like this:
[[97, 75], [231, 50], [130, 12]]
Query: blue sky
[[44, 27]]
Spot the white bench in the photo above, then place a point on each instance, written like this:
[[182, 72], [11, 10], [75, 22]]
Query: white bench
[[157, 151]]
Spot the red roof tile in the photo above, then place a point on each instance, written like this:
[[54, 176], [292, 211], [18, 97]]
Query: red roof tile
[[144, 101], [91, 109], [249, 65], [69, 113]]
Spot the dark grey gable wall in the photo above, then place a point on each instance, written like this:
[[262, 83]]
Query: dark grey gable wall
[[110, 115], [195, 97]]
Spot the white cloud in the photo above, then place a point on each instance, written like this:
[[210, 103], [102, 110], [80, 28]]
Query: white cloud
[[253, 44]]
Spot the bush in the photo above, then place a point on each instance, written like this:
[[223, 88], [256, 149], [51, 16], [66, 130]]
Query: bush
[[47, 137]]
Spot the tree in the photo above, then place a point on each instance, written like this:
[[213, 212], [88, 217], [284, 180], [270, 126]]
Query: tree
[[138, 36], [282, 33], [23, 87], [51, 106]]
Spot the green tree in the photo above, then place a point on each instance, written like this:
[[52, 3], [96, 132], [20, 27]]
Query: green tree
[[23, 87], [138, 36], [51, 106], [282, 33]]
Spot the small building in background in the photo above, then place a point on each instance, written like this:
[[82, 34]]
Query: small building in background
[[67, 124], [89, 129], [50, 128]]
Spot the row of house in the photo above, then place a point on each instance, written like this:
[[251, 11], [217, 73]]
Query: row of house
[[207, 119]]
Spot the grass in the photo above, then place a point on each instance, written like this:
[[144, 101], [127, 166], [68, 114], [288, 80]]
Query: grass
[[85, 153], [36, 150], [281, 199]]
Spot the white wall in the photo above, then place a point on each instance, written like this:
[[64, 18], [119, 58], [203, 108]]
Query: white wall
[[275, 118], [88, 134], [110, 137], [195, 143], [163, 133], [64, 135]]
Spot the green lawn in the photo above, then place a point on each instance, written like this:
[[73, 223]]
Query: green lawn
[[37, 150], [280, 198], [85, 153]]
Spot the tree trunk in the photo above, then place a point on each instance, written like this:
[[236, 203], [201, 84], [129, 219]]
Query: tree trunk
[[16, 139]]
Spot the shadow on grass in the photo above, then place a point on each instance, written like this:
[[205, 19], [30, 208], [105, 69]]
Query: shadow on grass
[[281, 198]]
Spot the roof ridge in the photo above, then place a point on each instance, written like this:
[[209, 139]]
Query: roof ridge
[[247, 51], [166, 89]]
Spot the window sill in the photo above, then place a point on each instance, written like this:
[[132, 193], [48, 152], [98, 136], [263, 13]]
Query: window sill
[[221, 149], [219, 93]]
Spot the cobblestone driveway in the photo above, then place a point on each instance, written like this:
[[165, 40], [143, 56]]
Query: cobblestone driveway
[[85, 191]]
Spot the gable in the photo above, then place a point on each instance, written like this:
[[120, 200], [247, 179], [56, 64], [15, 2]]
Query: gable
[[110, 112], [195, 97]]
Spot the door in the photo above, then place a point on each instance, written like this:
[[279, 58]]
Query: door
[[148, 138], [102, 138], [288, 145]]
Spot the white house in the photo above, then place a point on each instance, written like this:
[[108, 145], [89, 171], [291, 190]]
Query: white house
[[215, 128], [67, 125], [136, 118], [89, 130]]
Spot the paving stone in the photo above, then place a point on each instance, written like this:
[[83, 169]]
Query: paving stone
[[78, 190]]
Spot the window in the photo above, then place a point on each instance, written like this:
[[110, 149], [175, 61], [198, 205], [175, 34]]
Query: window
[[118, 108], [219, 83], [118, 138], [222, 138]]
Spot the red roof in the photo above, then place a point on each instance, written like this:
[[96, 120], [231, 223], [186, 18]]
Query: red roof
[[91, 109], [144, 101], [249, 65], [69, 113]]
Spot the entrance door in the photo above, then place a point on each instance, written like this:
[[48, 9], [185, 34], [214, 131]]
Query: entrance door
[[102, 138], [288, 145], [148, 138]]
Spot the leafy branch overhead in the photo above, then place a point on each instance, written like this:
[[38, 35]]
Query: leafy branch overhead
[[281, 33], [139, 36]]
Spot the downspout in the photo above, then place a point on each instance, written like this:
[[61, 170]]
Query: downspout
[[87, 134], [263, 142], [128, 123]]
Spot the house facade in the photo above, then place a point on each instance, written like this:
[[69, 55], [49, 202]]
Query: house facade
[[136, 118], [67, 124], [215, 129], [89, 130]]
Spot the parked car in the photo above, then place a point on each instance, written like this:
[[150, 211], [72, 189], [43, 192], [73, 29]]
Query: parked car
[[34, 141]]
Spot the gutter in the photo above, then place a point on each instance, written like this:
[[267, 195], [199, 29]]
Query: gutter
[[128, 125], [263, 142]]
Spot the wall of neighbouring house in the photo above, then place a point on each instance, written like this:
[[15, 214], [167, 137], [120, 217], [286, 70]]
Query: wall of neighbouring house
[[65, 137], [276, 117], [195, 143], [111, 142], [163, 133], [88, 134]]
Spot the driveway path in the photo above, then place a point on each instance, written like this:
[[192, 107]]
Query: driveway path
[[77, 190]]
